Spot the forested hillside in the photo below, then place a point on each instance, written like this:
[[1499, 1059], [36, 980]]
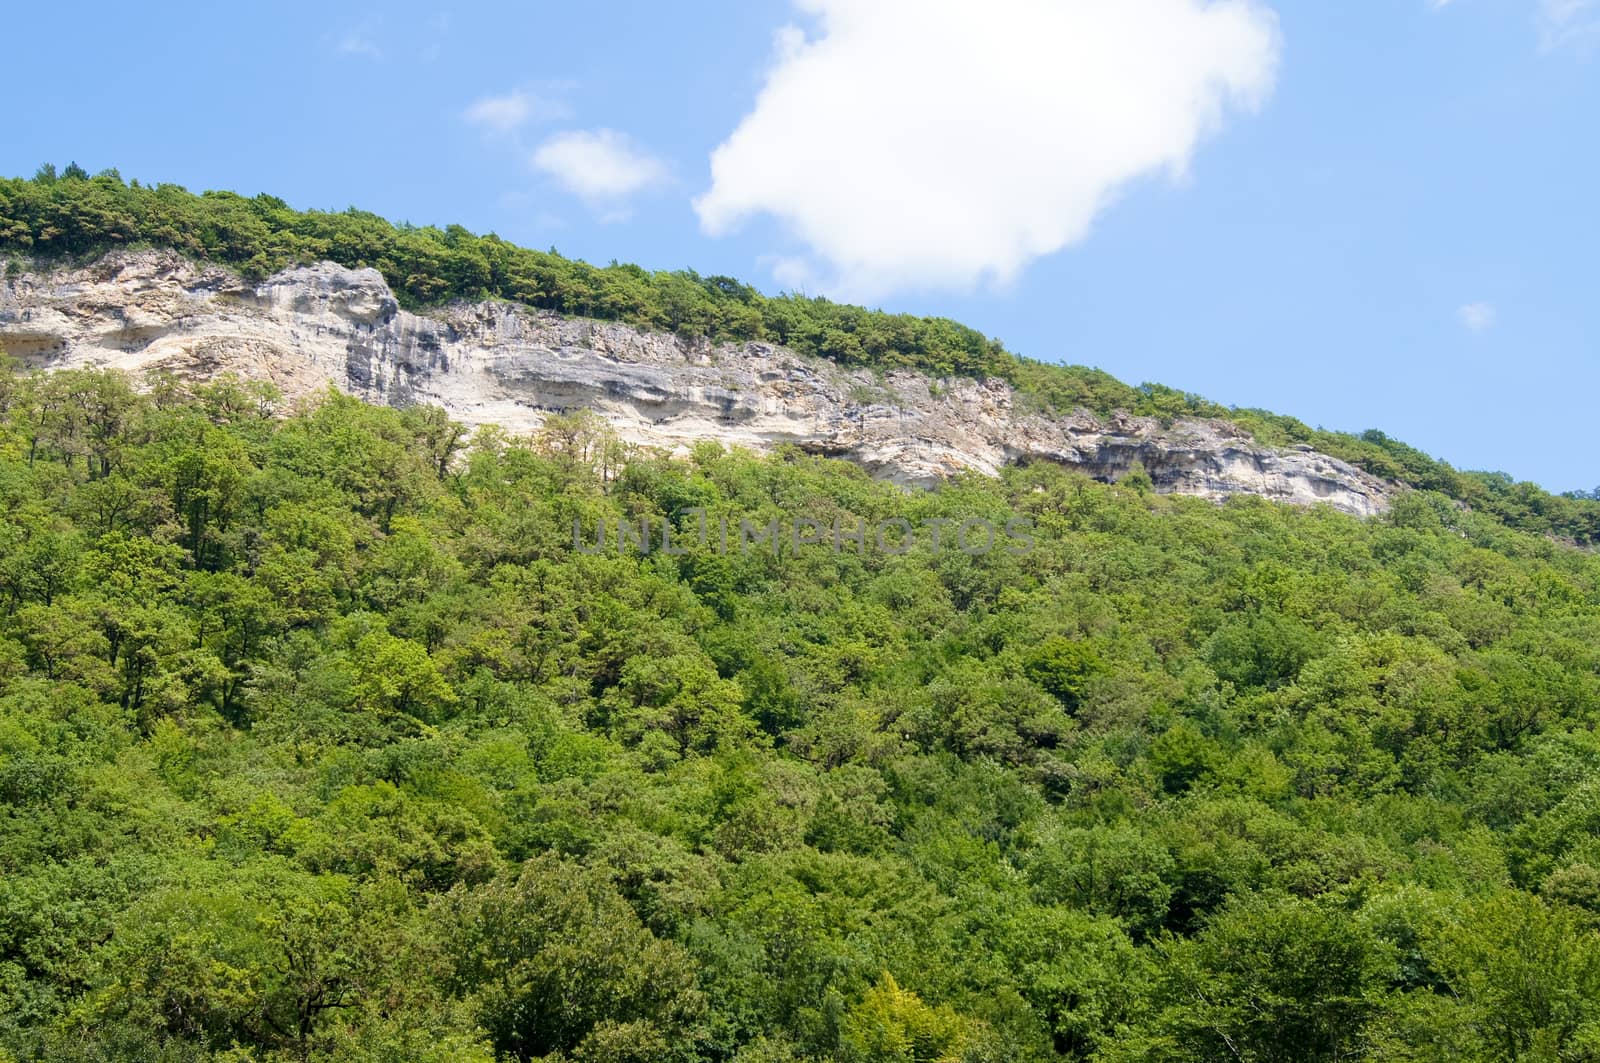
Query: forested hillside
[[70, 215], [321, 738]]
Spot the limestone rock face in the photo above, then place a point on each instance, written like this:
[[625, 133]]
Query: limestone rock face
[[498, 363]]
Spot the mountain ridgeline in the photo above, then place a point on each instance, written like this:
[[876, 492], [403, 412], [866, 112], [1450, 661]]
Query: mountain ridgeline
[[504, 367], [330, 731], [72, 216]]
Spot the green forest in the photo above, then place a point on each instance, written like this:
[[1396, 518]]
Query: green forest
[[71, 216], [321, 739]]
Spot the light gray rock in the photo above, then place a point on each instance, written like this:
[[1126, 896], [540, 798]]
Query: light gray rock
[[497, 363]]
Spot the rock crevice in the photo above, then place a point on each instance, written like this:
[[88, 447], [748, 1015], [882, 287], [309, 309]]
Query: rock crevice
[[498, 363]]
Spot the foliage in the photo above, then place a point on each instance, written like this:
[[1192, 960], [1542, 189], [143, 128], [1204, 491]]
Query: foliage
[[317, 742], [73, 216]]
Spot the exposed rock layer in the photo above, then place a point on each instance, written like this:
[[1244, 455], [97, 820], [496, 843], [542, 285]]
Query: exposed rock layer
[[503, 364]]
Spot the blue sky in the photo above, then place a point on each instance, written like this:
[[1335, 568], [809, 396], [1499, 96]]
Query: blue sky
[[1364, 214]]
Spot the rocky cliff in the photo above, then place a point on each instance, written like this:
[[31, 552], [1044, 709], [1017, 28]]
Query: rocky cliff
[[504, 364]]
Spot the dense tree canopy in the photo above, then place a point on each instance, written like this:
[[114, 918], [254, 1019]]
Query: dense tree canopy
[[75, 216], [318, 741]]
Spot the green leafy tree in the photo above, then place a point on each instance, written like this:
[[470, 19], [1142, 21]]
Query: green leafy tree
[[556, 961]]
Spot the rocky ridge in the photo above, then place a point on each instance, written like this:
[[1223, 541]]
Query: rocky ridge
[[503, 364]]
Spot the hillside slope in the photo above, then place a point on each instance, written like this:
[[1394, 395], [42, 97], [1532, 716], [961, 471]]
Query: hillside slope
[[75, 217], [325, 738], [502, 364]]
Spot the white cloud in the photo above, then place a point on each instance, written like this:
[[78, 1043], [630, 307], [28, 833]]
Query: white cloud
[[794, 274], [1478, 317], [357, 42], [601, 166], [500, 113], [1568, 22], [508, 113], [940, 143], [1562, 24], [503, 114]]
